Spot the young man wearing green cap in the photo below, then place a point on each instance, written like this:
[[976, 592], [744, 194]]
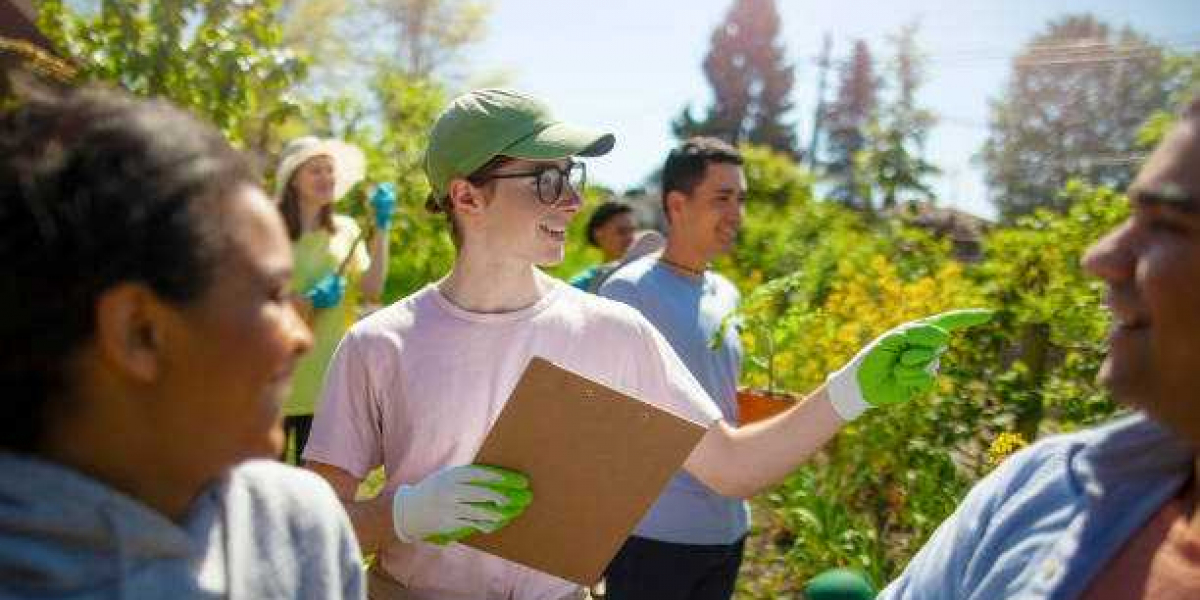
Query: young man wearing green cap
[[416, 386]]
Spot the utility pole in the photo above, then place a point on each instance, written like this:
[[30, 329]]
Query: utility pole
[[823, 66]]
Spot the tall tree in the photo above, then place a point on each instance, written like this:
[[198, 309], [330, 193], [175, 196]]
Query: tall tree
[[1181, 73], [1076, 99], [847, 119], [895, 155], [751, 81], [430, 34], [223, 59], [350, 41]]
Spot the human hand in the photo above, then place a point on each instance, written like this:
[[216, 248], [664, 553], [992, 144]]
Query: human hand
[[328, 292], [383, 205], [898, 365], [457, 502]]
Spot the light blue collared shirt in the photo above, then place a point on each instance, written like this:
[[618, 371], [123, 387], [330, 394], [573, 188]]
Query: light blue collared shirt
[[1045, 523]]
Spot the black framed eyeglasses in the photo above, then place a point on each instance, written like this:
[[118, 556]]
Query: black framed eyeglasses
[[550, 180]]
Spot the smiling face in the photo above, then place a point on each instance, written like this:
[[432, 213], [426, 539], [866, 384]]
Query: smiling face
[[229, 356], [513, 224], [315, 181], [1151, 264], [615, 235], [710, 218]]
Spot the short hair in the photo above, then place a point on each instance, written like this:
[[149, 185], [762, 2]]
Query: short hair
[[97, 188], [686, 164], [602, 215]]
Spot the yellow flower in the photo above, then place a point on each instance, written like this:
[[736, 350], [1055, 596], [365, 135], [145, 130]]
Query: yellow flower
[[1003, 446]]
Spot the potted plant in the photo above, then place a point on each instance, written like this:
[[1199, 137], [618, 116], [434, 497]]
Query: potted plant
[[758, 316], [756, 404]]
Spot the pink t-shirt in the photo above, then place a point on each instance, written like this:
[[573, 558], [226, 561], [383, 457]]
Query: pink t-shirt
[[417, 386]]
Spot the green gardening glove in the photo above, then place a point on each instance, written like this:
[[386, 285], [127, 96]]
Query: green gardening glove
[[899, 365], [457, 502]]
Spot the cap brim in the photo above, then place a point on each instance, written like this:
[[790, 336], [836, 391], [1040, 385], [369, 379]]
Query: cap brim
[[561, 140]]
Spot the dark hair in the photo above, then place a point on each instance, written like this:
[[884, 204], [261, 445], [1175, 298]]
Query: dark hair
[[289, 208], [686, 164], [96, 188], [603, 214]]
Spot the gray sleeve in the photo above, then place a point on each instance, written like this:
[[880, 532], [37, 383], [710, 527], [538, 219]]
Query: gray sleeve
[[290, 536]]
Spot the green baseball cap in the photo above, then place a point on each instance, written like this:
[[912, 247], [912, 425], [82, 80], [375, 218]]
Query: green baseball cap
[[481, 125]]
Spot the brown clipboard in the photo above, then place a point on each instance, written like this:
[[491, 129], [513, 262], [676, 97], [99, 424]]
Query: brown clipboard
[[596, 460]]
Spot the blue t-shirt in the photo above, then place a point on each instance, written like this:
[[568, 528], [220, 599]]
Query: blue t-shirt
[[688, 311]]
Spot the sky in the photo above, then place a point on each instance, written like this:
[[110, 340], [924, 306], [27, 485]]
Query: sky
[[630, 66]]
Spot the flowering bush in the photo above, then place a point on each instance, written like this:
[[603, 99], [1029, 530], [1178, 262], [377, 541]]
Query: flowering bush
[[821, 282]]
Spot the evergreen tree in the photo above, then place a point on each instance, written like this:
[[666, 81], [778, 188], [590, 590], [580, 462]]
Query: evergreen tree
[[847, 119], [751, 81], [895, 156]]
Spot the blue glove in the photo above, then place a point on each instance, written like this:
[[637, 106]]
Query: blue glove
[[328, 292], [383, 204]]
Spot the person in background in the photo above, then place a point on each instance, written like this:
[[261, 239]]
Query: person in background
[[1111, 512], [330, 250], [416, 386], [611, 229], [689, 545], [148, 337]]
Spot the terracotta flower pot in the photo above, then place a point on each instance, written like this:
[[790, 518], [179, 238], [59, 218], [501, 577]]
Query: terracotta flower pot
[[758, 404]]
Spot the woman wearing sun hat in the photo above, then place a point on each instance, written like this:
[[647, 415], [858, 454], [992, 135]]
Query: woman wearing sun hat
[[330, 250]]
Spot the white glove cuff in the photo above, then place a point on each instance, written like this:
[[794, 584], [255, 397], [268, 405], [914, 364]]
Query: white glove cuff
[[845, 395], [402, 493]]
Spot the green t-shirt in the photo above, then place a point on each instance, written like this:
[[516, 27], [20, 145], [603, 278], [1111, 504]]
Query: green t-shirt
[[315, 255]]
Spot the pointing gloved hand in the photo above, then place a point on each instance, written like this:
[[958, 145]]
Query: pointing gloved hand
[[457, 502], [898, 365], [383, 205], [328, 292]]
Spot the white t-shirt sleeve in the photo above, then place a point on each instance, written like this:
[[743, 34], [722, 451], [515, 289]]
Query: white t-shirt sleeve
[[666, 382], [346, 431]]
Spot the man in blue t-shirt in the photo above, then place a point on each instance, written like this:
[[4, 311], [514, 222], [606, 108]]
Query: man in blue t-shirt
[[689, 545]]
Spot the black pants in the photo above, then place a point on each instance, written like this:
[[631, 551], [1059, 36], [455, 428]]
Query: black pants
[[646, 569], [295, 430]]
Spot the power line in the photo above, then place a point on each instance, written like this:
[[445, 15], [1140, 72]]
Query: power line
[[1073, 50]]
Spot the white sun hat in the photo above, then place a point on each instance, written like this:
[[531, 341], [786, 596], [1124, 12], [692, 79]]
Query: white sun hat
[[349, 165]]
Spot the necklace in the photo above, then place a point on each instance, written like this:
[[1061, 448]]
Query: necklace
[[682, 268]]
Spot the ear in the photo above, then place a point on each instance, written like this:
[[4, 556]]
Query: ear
[[465, 198], [130, 328], [675, 202]]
